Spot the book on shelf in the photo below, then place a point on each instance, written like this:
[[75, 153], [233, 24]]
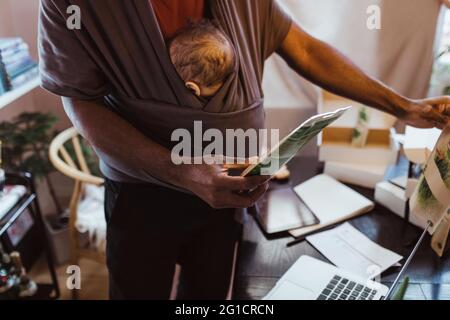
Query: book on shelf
[[4, 85], [14, 50], [13, 58], [25, 77], [16, 65], [2, 88], [7, 44], [21, 69]]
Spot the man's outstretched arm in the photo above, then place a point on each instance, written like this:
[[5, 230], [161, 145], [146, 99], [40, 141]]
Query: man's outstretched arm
[[328, 68]]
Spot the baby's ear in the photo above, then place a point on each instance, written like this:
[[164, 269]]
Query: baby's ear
[[193, 87]]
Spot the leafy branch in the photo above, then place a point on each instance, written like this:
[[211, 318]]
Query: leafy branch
[[26, 140]]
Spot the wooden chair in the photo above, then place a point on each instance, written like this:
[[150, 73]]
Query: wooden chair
[[81, 174], [79, 171]]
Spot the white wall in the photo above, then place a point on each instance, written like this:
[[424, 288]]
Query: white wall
[[400, 54], [18, 18]]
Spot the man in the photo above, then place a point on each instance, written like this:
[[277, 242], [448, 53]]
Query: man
[[122, 93]]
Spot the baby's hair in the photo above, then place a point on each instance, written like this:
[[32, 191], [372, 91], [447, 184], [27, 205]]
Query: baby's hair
[[202, 53]]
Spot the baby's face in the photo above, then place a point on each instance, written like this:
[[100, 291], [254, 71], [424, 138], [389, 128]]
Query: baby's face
[[210, 91], [203, 90]]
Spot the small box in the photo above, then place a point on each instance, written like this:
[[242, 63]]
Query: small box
[[336, 145], [335, 141], [419, 143], [331, 102], [395, 199], [363, 175], [392, 197]]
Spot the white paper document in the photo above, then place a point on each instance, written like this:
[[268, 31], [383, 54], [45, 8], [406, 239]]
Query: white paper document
[[351, 250], [284, 151]]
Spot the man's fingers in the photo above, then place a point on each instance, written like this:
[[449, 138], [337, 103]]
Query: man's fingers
[[438, 100], [240, 163], [439, 120], [240, 183], [256, 194], [444, 109], [245, 200], [435, 114], [443, 115]]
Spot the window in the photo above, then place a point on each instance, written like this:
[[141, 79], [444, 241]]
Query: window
[[445, 41], [440, 82]]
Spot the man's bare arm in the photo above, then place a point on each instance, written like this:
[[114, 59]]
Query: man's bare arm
[[328, 68], [127, 149], [120, 144]]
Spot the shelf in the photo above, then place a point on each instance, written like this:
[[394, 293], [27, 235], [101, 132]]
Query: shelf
[[10, 96], [9, 219]]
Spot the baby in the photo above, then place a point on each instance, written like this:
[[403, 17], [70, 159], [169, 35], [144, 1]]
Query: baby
[[203, 57]]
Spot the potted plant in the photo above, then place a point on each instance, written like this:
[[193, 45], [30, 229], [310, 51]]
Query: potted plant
[[25, 142]]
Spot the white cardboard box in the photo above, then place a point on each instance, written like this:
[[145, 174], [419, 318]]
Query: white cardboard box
[[395, 198], [364, 175], [331, 102], [335, 141], [335, 145], [392, 197], [419, 143]]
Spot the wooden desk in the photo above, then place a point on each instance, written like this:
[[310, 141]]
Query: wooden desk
[[263, 260]]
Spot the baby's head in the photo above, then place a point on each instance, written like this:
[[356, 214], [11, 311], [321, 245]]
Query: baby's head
[[203, 57]]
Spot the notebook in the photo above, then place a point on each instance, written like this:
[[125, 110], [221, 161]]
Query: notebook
[[330, 201]]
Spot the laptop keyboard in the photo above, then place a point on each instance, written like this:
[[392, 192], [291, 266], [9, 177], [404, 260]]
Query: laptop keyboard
[[340, 288]]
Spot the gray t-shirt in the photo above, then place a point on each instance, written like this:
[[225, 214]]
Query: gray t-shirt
[[120, 54]]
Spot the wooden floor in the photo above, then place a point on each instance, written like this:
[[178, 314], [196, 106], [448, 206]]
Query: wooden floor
[[94, 279]]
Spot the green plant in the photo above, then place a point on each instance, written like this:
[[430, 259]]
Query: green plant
[[26, 140], [400, 293], [442, 160], [362, 114], [447, 90]]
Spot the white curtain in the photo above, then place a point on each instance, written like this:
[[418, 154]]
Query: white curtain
[[400, 54]]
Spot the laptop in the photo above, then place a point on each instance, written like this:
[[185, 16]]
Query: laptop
[[312, 279]]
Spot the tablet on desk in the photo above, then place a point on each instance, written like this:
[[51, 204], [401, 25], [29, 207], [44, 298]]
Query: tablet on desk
[[281, 210]]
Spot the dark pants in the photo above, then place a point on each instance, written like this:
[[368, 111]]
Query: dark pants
[[151, 228]]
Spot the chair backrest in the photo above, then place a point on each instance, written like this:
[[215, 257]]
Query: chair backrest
[[63, 162]]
